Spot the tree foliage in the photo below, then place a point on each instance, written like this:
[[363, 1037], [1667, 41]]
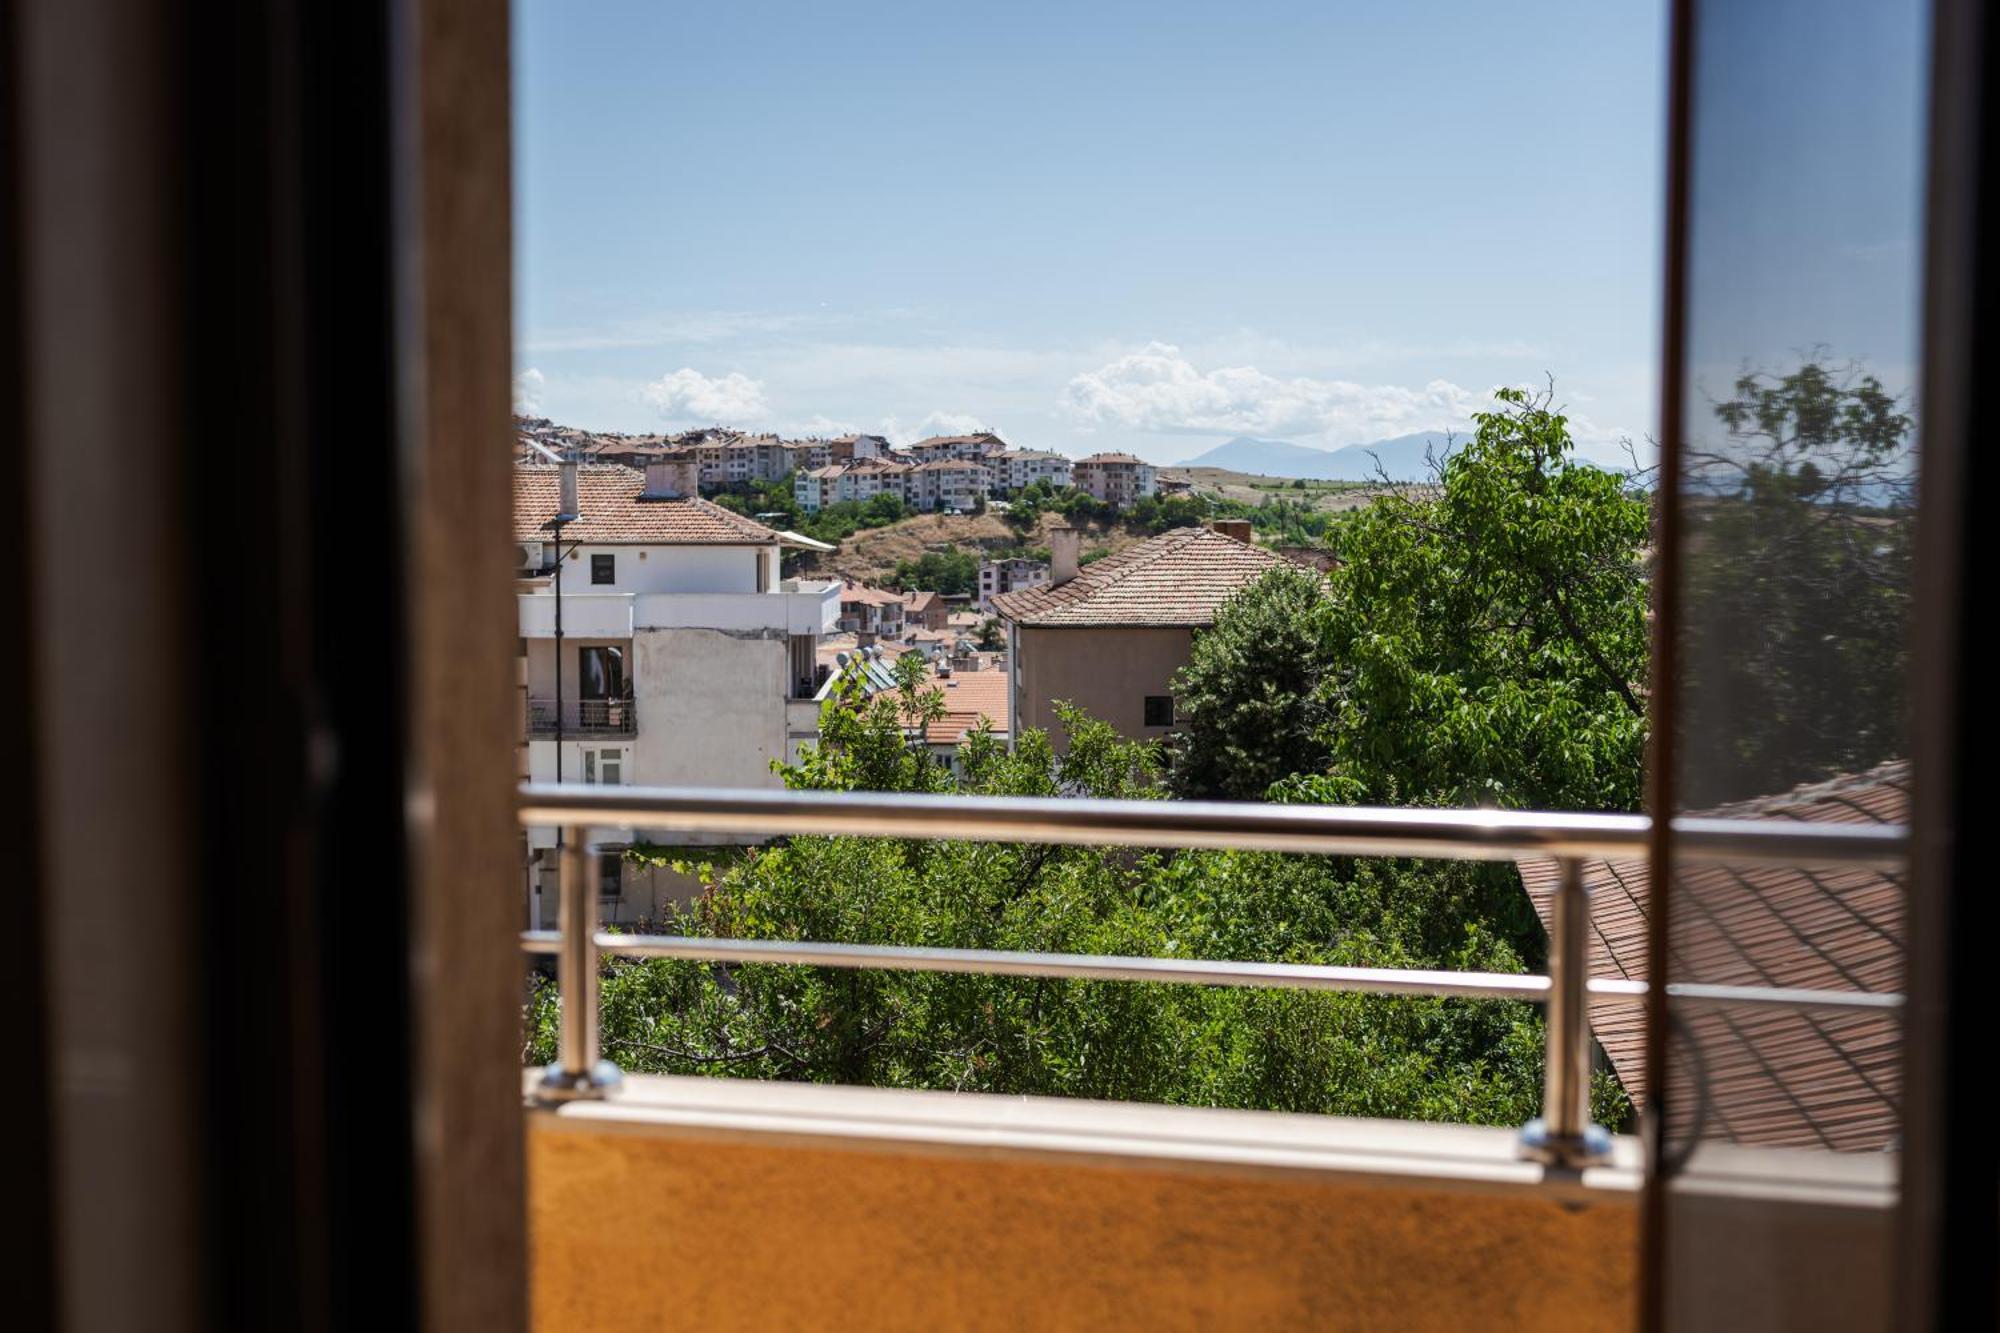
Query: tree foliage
[[1346, 1054], [1800, 519], [1481, 642]]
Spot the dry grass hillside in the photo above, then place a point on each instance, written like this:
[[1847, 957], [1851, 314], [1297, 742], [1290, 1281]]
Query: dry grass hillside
[[1254, 488], [872, 555]]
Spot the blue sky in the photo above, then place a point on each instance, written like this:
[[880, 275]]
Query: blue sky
[[1091, 225]]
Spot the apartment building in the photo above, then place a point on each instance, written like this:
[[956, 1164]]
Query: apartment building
[[659, 645], [1016, 469], [956, 448], [1002, 576], [753, 458], [951, 485], [1109, 637], [1118, 479], [854, 448]]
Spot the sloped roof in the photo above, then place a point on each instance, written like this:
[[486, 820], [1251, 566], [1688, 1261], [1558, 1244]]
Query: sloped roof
[[1113, 458], [611, 512], [1177, 578], [968, 697], [862, 593], [1783, 1078]]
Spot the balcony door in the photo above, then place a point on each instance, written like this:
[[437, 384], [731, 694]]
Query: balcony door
[[600, 672]]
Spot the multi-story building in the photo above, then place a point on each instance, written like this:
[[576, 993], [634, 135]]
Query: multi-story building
[[681, 657], [751, 458], [854, 448], [808, 454], [953, 448], [816, 488], [1003, 576], [947, 484], [1118, 479], [870, 611], [1016, 469]]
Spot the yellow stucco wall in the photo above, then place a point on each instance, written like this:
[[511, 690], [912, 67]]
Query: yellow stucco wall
[[637, 1231]]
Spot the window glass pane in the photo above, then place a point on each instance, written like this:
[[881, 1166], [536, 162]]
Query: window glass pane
[[1796, 481]]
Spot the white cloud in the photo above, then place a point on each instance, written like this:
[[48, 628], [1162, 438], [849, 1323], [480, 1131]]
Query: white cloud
[[687, 395], [528, 392], [937, 423], [1158, 389]]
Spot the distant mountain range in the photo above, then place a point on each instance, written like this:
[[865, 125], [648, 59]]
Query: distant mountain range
[[1404, 458]]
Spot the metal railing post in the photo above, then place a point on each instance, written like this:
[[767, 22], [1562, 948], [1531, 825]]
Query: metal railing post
[[577, 1072], [1564, 1136]]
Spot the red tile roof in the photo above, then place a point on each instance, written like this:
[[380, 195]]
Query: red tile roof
[[1782, 1078], [968, 697], [1177, 578], [611, 512]]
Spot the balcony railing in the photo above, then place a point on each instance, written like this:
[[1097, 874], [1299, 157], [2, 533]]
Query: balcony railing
[[1563, 1136], [582, 718]]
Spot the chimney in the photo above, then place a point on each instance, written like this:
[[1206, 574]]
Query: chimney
[[667, 479], [1064, 542], [566, 509], [1237, 529]]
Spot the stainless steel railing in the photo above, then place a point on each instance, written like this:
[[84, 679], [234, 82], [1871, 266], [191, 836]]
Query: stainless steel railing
[[1563, 1136]]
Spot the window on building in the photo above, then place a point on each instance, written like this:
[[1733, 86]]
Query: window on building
[[604, 569], [1159, 710], [611, 872], [763, 572]]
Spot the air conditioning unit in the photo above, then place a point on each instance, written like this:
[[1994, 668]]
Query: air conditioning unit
[[528, 557]]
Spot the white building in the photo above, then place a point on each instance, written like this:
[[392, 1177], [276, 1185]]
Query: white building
[[1003, 576], [1017, 469], [683, 658]]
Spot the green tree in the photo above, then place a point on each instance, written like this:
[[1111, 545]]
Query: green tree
[[1799, 540], [1481, 641], [1343, 1054], [1251, 698]]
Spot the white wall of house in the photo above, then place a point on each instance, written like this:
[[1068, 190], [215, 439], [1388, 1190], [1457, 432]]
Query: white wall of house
[[640, 569], [711, 706]]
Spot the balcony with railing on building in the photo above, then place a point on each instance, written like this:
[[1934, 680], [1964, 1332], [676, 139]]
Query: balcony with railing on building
[[581, 718]]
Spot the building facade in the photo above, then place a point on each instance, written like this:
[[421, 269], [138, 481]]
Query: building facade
[[681, 658], [1116, 479]]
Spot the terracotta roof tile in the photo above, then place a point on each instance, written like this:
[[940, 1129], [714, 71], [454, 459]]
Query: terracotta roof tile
[[1783, 1078], [1177, 578], [612, 513]]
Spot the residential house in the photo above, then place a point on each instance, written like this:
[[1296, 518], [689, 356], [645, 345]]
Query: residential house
[[972, 699], [681, 657], [925, 609], [1109, 637], [867, 611], [1117, 479]]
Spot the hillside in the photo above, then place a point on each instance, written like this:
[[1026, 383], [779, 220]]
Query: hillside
[[1255, 488], [871, 555]]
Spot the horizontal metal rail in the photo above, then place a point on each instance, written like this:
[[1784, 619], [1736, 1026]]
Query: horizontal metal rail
[[1198, 972], [1563, 1136], [1481, 835]]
